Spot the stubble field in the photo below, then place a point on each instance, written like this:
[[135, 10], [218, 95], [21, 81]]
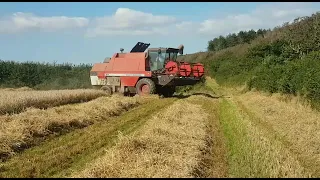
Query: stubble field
[[206, 131]]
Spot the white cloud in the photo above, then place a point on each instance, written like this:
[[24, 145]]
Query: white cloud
[[130, 22], [24, 21], [186, 27], [268, 15], [136, 23]]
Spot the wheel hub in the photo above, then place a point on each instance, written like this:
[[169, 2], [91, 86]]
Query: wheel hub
[[145, 89]]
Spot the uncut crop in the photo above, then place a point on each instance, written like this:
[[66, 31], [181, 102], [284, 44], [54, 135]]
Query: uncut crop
[[16, 100]]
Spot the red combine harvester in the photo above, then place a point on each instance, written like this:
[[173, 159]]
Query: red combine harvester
[[138, 72]]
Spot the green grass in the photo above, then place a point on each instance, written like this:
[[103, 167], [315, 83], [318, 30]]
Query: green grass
[[252, 151], [237, 141], [214, 156]]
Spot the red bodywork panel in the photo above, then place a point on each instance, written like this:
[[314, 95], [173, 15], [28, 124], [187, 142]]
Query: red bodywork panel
[[128, 66], [129, 81]]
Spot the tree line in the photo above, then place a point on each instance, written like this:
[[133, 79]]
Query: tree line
[[44, 75]]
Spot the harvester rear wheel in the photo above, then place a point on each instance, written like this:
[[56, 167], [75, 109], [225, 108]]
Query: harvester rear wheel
[[107, 90], [145, 86]]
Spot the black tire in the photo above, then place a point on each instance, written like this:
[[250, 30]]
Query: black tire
[[107, 90], [150, 84]]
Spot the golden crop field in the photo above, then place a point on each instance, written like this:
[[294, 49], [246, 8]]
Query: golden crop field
[[206, 131]]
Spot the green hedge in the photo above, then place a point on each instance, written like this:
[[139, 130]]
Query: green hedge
[[44, 76]]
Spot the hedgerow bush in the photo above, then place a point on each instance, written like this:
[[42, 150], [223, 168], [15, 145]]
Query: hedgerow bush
[[285, 60]]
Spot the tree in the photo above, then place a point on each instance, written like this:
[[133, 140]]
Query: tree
[[234, 39], [251, 35]]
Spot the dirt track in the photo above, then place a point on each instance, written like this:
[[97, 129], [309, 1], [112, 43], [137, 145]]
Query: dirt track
[[206, 132]]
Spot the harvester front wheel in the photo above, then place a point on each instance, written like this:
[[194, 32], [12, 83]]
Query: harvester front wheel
[[145, 86], [107, 90]]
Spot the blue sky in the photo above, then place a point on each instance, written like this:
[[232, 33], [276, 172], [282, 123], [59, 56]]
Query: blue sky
[[88, 32]]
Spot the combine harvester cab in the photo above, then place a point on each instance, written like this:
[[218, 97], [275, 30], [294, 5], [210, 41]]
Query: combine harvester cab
[[155, 71]]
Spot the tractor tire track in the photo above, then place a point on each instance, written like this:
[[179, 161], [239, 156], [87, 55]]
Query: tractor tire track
[[213, 159], [60, 156]]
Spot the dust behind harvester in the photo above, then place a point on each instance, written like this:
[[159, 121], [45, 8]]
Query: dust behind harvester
[[145, 71]]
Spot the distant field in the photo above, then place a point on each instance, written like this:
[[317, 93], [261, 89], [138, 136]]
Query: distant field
[[17, 100]]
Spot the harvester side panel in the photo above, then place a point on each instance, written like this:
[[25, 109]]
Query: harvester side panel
[[128, 78], [97, 81], [113, 81], [99, 67], [100, 75], [129, 67], [129, 81], [128, 73], [97, 74], [127, 62]]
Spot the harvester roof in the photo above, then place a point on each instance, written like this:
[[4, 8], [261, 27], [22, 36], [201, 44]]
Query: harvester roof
[[162, 49], [140, 47]]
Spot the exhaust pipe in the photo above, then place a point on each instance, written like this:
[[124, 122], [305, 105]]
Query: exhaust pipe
[[181, 47]]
